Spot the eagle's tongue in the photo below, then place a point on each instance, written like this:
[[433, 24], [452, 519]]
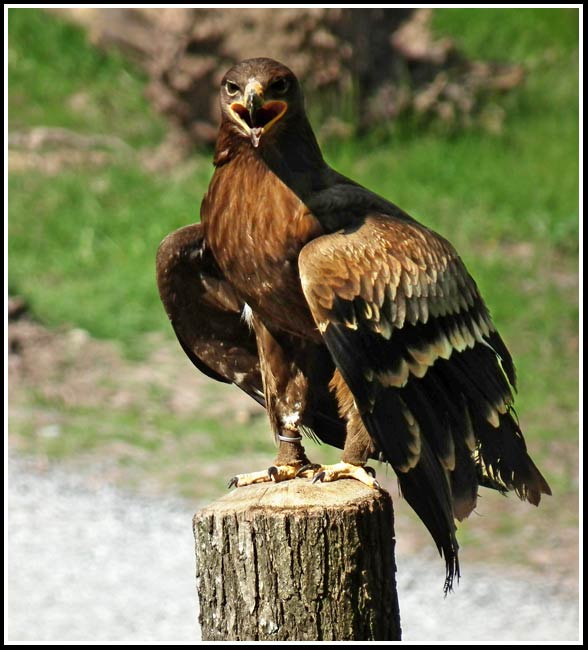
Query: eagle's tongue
[[256, 134]]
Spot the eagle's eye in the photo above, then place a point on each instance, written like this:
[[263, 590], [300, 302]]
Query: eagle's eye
[[280, 86], [232, 88]]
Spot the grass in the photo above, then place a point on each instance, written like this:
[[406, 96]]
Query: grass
[[526, 35], [56, 78], [162, 455], [82, 241], [100, 228], [90, 261]]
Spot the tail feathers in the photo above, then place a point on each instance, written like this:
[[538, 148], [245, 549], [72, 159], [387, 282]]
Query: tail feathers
[[426, 489]]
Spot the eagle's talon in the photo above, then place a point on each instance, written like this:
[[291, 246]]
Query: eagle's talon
[[309, 467], [274, 473], [365, 475]]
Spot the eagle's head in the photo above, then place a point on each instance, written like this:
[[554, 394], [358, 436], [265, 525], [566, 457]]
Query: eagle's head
[[258, 96]]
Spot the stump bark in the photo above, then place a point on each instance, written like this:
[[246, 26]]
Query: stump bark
[[296, 561]]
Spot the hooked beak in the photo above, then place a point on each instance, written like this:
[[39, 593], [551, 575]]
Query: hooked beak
[[257, 116], [253, 97]]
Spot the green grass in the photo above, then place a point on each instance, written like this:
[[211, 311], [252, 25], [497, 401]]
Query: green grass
[[518, 184], [147, 444], [57, 79], [522, 35], [90, 260], [82, 241]]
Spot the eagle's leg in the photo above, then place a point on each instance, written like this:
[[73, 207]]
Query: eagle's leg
[[358, 448], [286, 389]]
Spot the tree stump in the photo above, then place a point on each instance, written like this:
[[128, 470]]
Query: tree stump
[[297, 561]]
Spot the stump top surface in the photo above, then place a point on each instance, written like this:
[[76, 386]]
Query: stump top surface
[[294, 495]]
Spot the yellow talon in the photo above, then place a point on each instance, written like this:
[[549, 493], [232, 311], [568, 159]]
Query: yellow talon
[[275, 473], [328, 473]]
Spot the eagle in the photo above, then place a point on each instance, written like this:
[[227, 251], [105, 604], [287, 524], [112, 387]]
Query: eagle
[[347, 319]]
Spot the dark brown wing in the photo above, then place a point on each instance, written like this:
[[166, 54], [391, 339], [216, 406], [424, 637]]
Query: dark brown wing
[[431, 377], [206, 315], [205, 312]]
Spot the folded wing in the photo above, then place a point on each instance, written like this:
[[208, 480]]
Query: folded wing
[[431, 377]]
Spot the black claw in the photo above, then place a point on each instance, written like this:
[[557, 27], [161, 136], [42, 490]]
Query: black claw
[[371, 471], [272, 472], [319, 477], [305, 467], [233, 482]]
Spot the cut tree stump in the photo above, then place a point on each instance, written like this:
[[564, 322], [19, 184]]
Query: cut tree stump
[[300, 562]]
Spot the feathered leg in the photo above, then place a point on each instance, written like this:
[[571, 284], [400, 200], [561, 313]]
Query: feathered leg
[[286, 396], [358, 448]]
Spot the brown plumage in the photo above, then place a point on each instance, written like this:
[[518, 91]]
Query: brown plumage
[[342, 315]]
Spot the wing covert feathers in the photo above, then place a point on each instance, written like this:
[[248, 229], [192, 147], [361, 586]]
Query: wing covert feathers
[[205, 312], [430, 375]]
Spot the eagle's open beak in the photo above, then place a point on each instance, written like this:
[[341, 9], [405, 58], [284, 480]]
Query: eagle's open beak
[[257, 116]]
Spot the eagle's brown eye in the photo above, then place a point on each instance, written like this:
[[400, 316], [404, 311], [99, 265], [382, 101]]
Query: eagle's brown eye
[[232, 88], [280, 86]]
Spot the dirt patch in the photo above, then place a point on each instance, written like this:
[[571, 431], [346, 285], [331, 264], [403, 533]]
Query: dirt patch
[[51, 150], [69, 367]]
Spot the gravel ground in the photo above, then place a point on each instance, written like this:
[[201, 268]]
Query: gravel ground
[[91, 563], [95, 564]]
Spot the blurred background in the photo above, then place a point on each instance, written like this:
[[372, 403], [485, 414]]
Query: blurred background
[[466, 118]]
